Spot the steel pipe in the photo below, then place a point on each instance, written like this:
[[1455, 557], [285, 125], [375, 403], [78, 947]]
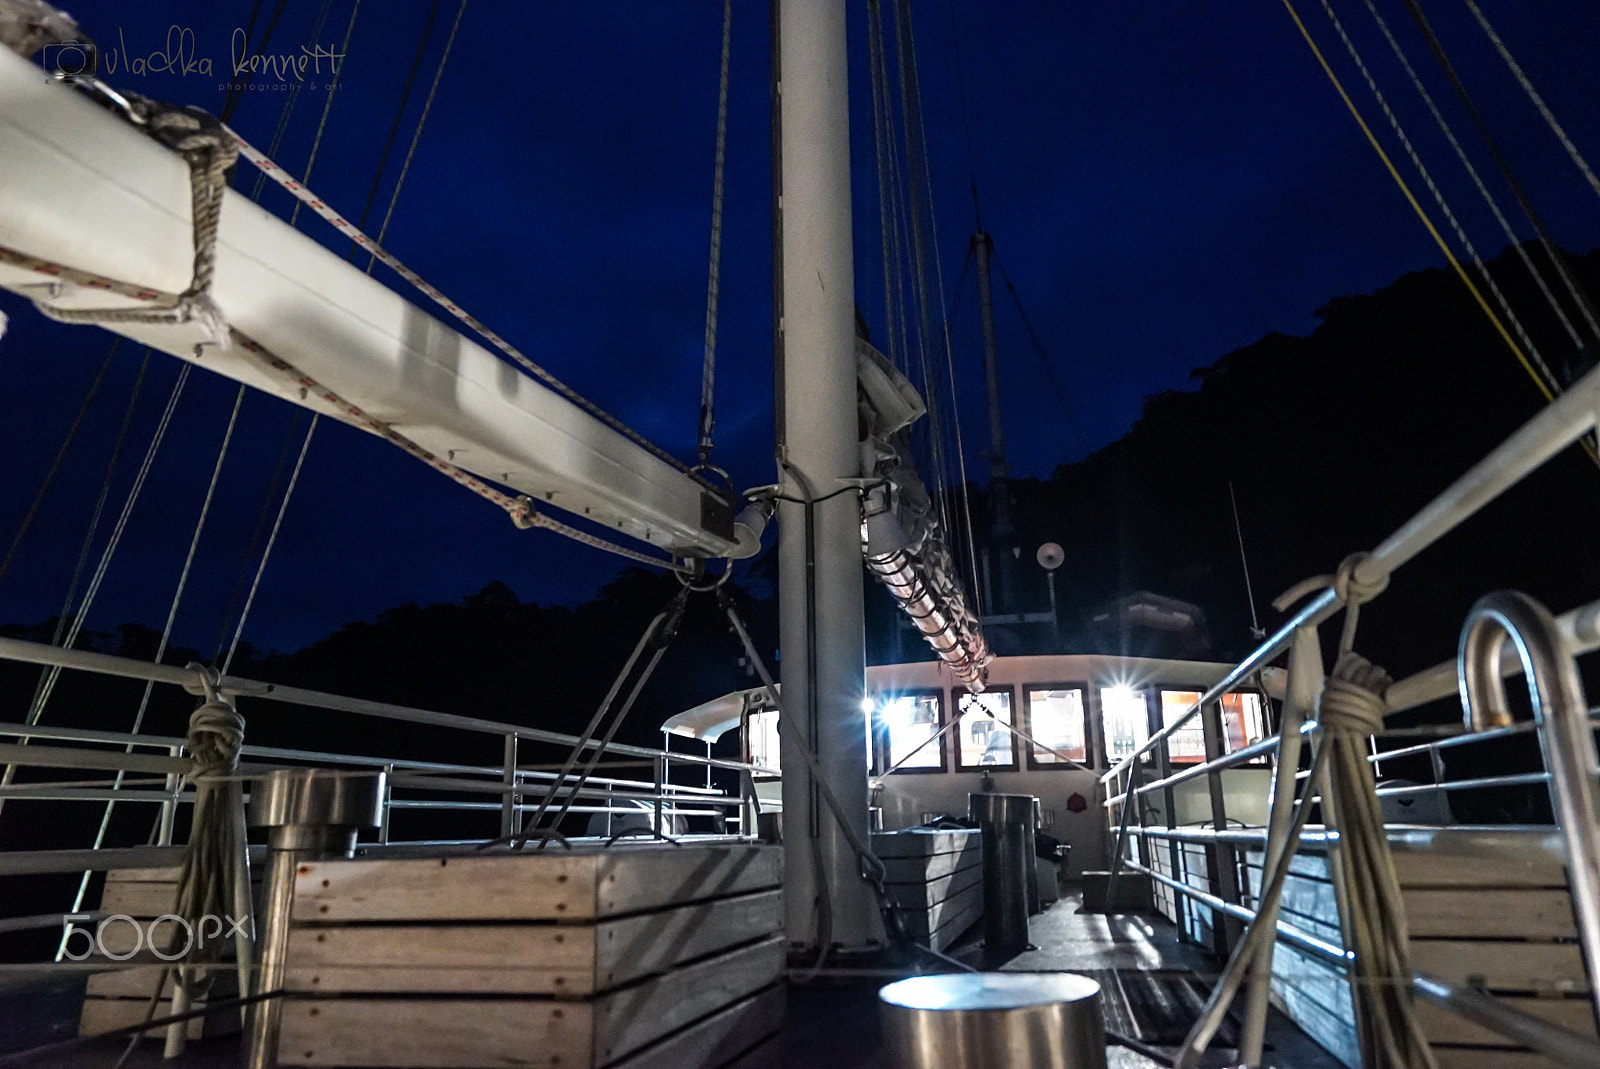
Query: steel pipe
[[1565, 735]]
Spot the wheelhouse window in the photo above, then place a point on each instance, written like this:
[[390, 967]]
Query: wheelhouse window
[[1243, 723], [982, 742], [907, 726], [1125, 718], [1057, 718]]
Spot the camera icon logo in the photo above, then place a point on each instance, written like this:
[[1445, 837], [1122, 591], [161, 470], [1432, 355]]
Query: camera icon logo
[[70, 61]]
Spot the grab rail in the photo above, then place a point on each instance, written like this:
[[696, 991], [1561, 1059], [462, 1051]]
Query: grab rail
[[1566, 736]]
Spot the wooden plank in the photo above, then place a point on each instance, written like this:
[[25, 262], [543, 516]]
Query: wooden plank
[[1523, 914], [1317, 998], [916, 870], [139, 982], [911, 843], [102, 1015], [633, 1017], [544, 959], [1434, 868], [923, 895], [1502, 965], [633, 947], [436, 1033], [160, 875], [553, 884], [474, 1033], [139, 899], [714, 1041], [1442, 1026]]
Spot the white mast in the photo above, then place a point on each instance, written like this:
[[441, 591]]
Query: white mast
[[819, 564]]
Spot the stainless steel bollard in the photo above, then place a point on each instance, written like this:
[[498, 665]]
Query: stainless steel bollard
[[1004, 820], [309, 813], [993, 1021]]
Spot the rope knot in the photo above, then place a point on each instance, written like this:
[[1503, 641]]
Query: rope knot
[[216, 732], [1352, 701], [1349, 588]]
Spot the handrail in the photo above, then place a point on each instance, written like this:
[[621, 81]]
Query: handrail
[[1565, 734], [13, 649], [1556, 426]]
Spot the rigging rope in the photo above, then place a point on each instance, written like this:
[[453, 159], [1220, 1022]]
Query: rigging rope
[[394, 127], [1546, 374], [1550, 247], [1422, 214], [327, 108], [272, 540], [416, 135], [1477, 179], [61, 455], [713, 275], [1533, 94], [1044, 361]]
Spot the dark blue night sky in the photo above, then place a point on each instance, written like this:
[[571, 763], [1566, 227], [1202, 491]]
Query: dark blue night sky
[[1165, 182]]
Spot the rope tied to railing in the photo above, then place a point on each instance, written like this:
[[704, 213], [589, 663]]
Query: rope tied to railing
[[1349, 585], [210, 151], [210, 866], [1352, 701]]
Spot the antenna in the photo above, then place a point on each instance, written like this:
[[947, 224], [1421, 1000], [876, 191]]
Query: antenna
[[1255, 625]]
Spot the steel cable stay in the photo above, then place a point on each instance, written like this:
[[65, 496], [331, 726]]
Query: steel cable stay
[[1426, 220], [1548, 376], [1533, 95], [714, 271], [61, 455], [1553, 251], [1489, 198]]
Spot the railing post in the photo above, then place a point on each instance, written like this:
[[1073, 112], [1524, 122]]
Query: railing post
[[661, 794], [169, 808], [1169, 802], [387, 806], [1223, 874], [508, 800]]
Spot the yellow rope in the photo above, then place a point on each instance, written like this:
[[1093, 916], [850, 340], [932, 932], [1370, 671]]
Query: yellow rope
[[1421, 212]]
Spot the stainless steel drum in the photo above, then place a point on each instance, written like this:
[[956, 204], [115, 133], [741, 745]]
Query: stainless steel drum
[[1007, 1020]]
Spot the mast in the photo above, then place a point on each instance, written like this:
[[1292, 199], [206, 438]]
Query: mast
[[821, 627], [1001, 529]]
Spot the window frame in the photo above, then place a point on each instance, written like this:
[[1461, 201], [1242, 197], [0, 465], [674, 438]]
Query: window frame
[[880, 733], [1036, 765], [1015, 764], [1266, 726], [1150, 695]]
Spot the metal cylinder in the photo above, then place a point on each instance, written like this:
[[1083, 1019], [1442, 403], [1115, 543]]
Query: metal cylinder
[[993, 1021], [309, 813], [1032, 880], [1004, 820]]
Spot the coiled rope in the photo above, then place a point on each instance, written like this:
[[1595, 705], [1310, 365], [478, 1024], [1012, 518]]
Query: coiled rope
[[1350, 710]]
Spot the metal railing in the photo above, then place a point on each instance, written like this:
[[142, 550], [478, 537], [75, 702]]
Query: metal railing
[[1128, 783], [147, 769]]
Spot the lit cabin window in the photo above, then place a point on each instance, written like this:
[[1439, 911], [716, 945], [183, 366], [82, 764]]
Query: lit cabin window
[[907, 722], [761, 739], [1125, 715], [983, 743], [1057, 720], [1243, 723]]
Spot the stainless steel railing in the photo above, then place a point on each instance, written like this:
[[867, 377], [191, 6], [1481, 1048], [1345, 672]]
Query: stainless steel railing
[[147, 769]]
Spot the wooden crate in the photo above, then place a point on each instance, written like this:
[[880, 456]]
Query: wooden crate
[[637, 957], [1499, 921], [935, 880], [119, 997]]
